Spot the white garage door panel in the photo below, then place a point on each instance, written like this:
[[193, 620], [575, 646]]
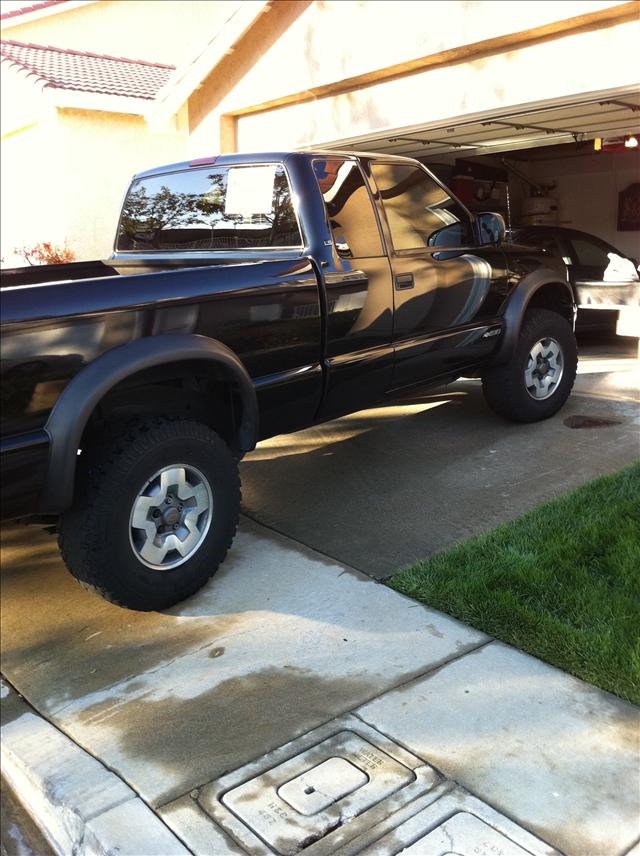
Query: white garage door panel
[[607, 116]]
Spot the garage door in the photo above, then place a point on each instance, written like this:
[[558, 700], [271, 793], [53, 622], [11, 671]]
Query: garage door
[[608, 114]]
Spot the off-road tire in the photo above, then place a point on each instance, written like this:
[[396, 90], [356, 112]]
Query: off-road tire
[[94, 534], [504, 386]]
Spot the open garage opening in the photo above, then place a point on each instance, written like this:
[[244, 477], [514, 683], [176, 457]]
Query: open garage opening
[[565, 176]]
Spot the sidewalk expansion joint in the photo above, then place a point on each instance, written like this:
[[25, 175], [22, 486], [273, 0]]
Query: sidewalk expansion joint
[[323, 556], [432, 670], [196, 788]]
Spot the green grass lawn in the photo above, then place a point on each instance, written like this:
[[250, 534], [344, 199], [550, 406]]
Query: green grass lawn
[[562, 582]]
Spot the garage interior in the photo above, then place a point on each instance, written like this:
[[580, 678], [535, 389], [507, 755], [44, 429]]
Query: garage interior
[[560, 165]]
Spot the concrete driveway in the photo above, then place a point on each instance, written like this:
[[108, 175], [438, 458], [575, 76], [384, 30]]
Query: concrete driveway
[[384, 487], [158, 714]]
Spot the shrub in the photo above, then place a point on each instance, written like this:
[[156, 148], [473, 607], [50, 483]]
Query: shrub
[[46, 253]]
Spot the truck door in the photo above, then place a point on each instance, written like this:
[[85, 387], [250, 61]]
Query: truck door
[[359, 292], [447, 289]]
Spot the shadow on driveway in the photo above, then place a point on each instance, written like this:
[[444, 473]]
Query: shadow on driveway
[[384, 487]]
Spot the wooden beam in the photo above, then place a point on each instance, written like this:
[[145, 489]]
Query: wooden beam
[[236, 64], [228, 135], [625, 12]]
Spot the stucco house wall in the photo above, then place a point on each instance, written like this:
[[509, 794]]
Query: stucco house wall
[[63, 179], [65, 170], [98, 153], [29, 178], [488, 84], [334, 41]]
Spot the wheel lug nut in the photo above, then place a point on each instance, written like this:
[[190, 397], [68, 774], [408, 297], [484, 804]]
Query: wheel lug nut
[[175, 525], [180, 507], [156, 512]]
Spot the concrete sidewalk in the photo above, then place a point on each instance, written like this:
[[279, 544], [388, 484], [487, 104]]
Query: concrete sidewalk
[[295, 704]]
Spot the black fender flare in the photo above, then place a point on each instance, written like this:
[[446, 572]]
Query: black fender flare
[[82, 394], [517, 304]]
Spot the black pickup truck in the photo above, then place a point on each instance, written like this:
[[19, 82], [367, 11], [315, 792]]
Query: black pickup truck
[[248, 296]]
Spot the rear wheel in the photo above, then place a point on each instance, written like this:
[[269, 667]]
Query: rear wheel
[[540, 375], [156, 510]]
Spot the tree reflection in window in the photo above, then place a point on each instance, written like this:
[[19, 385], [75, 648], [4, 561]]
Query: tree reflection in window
[[186, 211]]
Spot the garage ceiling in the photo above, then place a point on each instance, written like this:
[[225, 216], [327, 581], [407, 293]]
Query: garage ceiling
[[610, 118]]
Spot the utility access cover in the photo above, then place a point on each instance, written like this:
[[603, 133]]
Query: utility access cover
[[319, 792], [322, 786], [465, 835], [457, 824], [302, 800]]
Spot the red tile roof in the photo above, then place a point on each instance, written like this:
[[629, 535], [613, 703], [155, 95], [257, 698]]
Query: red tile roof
[[34, 7], [59, 68]]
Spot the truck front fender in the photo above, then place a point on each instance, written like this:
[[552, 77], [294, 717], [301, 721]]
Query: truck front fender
[[552, 292], [81, 396]]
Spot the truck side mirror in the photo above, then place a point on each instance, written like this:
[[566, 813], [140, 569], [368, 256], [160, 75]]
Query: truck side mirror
[[491, 227], [451, 235]]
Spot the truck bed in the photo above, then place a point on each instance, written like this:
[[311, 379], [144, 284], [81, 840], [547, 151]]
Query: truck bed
[[40, 274]]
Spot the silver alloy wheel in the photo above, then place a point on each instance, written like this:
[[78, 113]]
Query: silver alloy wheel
[[170, 517], [545, 366]]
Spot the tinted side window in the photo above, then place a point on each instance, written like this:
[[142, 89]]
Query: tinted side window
[[351, 216], [216, 208], [591, 254], [420, 212], [541, 240]]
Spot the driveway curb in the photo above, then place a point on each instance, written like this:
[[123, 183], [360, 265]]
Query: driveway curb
[[79, 805]]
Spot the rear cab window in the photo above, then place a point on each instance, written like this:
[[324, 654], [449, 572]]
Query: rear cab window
[[213, 208]]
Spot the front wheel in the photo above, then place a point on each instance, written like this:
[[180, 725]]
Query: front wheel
[[155, 512], [538, 379]]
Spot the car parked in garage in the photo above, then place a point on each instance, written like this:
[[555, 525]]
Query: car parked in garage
[[600, 293]]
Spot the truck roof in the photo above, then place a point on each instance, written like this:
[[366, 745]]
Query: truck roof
[[262, 157]]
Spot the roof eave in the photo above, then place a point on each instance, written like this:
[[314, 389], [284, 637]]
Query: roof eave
[[28, 17], [188, 77], [96, 101]]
